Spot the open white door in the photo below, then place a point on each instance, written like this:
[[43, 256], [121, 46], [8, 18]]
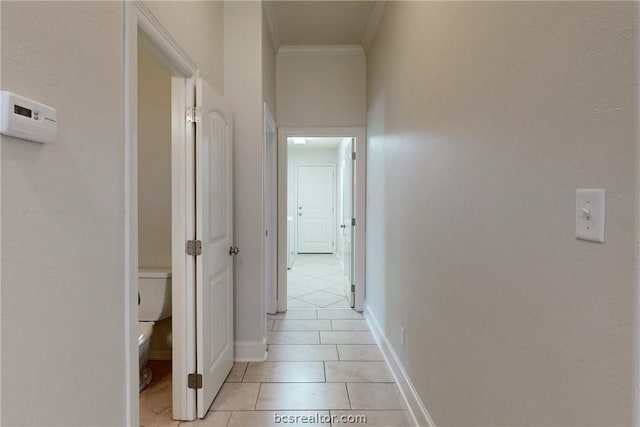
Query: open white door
[[346, 226], [214, 229]]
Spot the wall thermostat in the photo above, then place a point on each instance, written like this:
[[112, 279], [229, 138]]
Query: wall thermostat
[[27, 119]]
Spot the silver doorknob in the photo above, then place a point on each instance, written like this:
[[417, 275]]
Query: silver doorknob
[[233, 250]]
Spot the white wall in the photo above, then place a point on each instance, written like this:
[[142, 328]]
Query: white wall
[[154, 180], [62, 295], [321, 90], [154, 163], [63, 360], [198, 26], [243, 91], [483, 119], [268, 68], [305, 154]]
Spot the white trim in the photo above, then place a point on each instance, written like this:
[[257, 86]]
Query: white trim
[[139, 21], [132, 374], [272, 23], [163, 40], [303, 50], [374, 22], [360, 204], [270, 195], [182, 266], [416, 407], [250, 351]]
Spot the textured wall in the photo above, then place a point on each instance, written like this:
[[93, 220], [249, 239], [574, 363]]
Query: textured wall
[[154, 163], [483, 119], [321, 90], [199, 28], [268, 68], [243, 91], [63, 360]]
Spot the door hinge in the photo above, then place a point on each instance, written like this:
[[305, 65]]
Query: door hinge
[[194, 247], [194, 114], [353, 222], [353, 155], [353, 288], [194, 381]]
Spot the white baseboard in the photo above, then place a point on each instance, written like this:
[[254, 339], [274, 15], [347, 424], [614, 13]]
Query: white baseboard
[[250, 351], [160, 355], [416, 407]]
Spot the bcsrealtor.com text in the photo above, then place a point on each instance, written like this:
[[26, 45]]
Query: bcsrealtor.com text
[[318, 418]]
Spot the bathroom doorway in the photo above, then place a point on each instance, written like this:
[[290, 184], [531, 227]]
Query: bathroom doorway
[[201, 218], [154, 235]]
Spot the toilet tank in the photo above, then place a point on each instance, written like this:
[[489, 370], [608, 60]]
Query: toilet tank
[[154, 285]]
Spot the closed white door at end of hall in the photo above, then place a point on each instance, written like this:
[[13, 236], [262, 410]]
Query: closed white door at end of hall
[[315, 208]]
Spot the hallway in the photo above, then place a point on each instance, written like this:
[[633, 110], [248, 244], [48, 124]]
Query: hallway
[[321, 362], [316, 281]]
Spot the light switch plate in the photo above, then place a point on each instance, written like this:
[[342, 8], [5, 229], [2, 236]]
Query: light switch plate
[[590, 208]]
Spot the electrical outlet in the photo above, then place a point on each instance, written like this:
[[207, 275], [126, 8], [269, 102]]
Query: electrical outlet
[[402, 336]]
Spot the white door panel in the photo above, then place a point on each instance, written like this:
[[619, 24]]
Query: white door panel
[[214, 227], [347, 215], [315, 208]]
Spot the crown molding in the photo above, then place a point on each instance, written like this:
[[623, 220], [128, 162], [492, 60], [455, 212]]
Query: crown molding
[[374, 22], [306, 50]]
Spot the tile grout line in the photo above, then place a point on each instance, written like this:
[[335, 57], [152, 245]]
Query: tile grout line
[[244, 372], [348, 395], [255, 406]]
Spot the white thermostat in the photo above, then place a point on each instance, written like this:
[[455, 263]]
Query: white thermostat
[[27, 119]]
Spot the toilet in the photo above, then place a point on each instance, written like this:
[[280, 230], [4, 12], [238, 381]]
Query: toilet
[[154, 286]]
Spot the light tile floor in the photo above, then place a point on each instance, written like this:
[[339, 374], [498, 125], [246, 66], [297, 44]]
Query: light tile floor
[[316, 281], [321, 362]]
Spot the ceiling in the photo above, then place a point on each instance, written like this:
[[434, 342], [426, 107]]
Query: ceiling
[[322, 22]]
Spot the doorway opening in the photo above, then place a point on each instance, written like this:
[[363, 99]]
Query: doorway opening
[[154, 222], [197, 165], [318, 266], [321, 216]]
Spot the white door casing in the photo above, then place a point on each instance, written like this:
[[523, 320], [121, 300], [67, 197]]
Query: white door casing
[[346, 228], [270, 210], [214, 228], [315, 208], [359, 174]]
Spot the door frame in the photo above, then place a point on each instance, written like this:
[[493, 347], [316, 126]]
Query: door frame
[[359, 209], [269, 197], [334, 195], [139, 20]]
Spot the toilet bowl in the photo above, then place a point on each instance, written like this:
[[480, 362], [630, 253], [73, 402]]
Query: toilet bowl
[[154, 286], [145, 329]]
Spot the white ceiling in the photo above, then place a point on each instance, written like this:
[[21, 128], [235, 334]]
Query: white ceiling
[[305, 22]]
